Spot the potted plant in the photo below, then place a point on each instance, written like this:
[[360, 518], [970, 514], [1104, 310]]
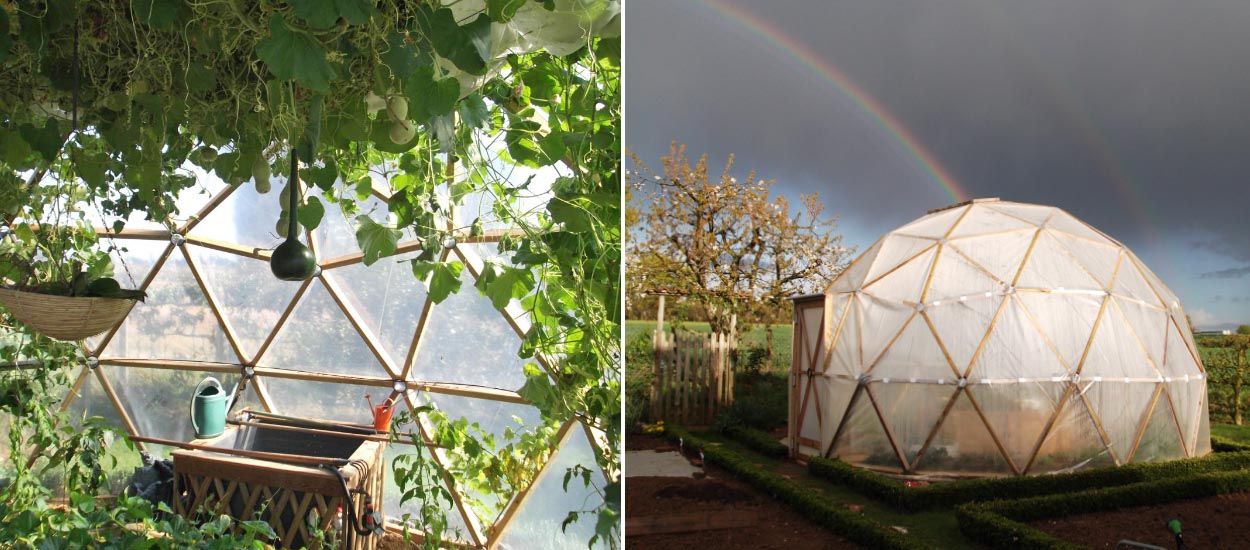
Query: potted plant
[[54, 278]]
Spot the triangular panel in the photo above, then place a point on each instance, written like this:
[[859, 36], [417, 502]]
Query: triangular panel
[[317, 337], [1072, 443], [913, 355], [954, 277], [835, 396], [388, 299], [1015, 349], [982, 220], [1098, 259], [1119, 407], [1114, 352], [1187, 398], [895, 250], [933, 226], [1051, 267], [863, 440], [1130, 283], [882, 320], [466, 340], [1160, 441], [323, 400], [1149, 325], [1063, 221], [962, 324], [1178, 361], [249, 297], [911, 411], [905, 283], [1065, 319], [962, 443], [245, 217], [174, 322], [999, 254], [1018, 413], [1034, 214], [538, 522], [846, 349], [853, 277]]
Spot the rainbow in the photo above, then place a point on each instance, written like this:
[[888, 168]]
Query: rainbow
[[918, 155]]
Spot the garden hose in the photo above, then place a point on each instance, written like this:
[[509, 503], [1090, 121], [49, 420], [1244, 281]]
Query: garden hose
[[354, 524]]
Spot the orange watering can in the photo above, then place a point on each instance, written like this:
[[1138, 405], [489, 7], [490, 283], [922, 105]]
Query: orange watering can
[[382, 413]]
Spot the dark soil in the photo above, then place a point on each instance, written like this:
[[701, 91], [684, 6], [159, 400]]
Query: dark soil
[[778, 527], [1213, 522]]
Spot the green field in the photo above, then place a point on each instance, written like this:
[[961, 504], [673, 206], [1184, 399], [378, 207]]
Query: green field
[[754, 338]]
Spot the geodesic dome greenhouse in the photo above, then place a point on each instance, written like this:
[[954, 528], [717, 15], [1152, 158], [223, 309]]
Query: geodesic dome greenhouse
[[995, 338], [318, 347]]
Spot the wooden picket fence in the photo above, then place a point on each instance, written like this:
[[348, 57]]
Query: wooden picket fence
[[694, 375]]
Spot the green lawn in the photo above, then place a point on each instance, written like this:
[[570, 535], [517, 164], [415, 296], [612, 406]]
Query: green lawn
[[1240, 434], [754, 338]]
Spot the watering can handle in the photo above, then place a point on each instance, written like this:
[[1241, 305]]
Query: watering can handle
[[191, 407]]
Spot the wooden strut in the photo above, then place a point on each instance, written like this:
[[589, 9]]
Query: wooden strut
[[259, 455]]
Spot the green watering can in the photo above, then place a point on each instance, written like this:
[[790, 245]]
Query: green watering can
[[208, 408]]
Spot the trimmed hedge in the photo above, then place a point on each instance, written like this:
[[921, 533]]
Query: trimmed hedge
[[1000, 523], [758, 441], [812, 505], [892, 491]]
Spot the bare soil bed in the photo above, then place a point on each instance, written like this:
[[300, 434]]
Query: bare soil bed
[[777, 526], [1221, 521]]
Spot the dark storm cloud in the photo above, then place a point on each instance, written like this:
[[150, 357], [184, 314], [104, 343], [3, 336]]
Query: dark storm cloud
[[1133, 115], [1231, 273]]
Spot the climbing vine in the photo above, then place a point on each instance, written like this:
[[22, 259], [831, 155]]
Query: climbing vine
[[428, 103]]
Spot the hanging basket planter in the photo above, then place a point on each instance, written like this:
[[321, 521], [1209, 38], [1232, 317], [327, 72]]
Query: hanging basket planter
[[66, 317]]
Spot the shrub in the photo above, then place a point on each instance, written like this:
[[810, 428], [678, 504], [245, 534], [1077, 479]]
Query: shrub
[[814, 506], [1000, 523], [638, 378], [761, 401], [892, 492], [758, 441]]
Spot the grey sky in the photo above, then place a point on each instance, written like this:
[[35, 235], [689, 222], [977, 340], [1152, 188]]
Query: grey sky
[[1133, 115]]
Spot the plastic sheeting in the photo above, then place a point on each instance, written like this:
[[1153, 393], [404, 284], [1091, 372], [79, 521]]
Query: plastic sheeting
[[997, 338]]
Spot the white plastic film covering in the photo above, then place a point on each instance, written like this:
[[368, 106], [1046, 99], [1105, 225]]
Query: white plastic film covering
[[538, 521], [387, 298], [251, 314], [174, 322], [1054, 338], [486, 347]]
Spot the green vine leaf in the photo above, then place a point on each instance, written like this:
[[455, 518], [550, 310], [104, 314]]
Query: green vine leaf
[[160, 14], [473, 111], [292, 55], [46, 140], [468, 46], [427, 97], [502, 11], [323, 14], [403, 57], [375, 240], [444, 278], [502, 284], [310, 213]]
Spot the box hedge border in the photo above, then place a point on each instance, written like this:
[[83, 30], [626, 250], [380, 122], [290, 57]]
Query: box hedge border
[[1001, 523], [811, 504], [892, 492], [758, 441]]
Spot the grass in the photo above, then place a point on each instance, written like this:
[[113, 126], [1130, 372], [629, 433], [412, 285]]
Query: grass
[[755, 338], [1240, 434]]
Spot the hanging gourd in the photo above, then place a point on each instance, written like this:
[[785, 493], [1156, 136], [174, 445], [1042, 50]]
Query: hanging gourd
[[292, 261]]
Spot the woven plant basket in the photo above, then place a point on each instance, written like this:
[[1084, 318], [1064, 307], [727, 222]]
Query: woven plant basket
[[65, 317]]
